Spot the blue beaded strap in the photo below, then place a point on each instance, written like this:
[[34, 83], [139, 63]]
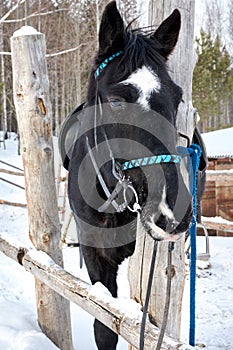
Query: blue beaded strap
[[163, 158], [195, 155], [105, 63], [194, 152]]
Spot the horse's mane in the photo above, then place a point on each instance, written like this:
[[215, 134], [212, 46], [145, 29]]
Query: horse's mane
[[140, 48]]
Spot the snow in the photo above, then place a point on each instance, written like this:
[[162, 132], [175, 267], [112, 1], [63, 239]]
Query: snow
[[18, 320], [214, 304], [218, 219], [219, 143], [220, 172], [25, 30], [124, 305]]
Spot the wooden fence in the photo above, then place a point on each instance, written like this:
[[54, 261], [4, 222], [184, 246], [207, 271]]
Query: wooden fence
[[54, 286], [217, 223], [34, 119], [105, 308], [217, 201], [219, 175]]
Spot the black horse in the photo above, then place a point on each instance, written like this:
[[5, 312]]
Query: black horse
[[121, 155]]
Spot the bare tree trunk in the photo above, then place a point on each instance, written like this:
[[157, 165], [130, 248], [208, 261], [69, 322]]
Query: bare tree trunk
[[97, 21], [181, 68], [31, 98], [4, 121], [56, 97]]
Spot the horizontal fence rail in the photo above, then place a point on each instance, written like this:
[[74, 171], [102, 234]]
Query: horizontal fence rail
[[217, 223], [219, 175], [101, 306]]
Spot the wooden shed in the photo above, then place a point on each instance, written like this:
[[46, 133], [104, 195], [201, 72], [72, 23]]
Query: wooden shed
[[218, 197]]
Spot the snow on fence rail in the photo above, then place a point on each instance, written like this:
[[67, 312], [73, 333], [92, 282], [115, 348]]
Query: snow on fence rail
[[125, 321], [219, 175], [217, 223]]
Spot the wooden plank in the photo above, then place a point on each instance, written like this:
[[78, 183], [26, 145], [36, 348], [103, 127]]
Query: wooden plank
[[103, 307], [12, 183], [10, 172], [208, 203], [13, 204], [10, 165], [219, 175]]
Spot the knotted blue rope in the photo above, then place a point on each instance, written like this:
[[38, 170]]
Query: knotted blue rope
[[195, 154]]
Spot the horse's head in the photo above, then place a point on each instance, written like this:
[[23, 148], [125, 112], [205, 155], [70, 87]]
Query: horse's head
[[131, 69], [134, 103]]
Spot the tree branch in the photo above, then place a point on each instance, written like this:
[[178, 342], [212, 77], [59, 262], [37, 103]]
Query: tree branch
[[19, 2], [49, 55], [64, 51], [34, 15], [5, 53]]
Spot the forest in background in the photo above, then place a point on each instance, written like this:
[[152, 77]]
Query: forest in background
[[70, 27], [213, 73]]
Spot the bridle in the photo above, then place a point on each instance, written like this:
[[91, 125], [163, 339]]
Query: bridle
[[123, 183]]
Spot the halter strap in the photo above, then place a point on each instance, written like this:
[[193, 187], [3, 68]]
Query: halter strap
[[105, 63], [163, 158]]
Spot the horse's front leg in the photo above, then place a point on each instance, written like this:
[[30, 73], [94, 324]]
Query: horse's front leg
[[101, 270]]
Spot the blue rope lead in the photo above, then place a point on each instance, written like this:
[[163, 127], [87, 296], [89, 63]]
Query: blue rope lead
[[195, 154], [194, 151]]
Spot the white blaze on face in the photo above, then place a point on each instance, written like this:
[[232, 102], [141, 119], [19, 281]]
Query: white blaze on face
[[157, 232], [164, 208], [146, 82]]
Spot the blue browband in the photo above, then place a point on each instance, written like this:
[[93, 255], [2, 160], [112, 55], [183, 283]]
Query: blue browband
[[139, 162], [106, 62], [163, 158]]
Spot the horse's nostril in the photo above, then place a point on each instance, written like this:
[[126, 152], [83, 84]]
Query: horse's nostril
[[185, 222], [171, 226]]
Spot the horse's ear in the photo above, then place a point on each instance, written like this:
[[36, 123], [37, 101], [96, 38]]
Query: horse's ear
[[111, 29], [168, 32]]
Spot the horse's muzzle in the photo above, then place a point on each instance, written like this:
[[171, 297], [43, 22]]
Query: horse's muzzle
[[168, 224]]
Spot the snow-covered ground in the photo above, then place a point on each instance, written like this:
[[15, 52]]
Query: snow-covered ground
[[18, 324]]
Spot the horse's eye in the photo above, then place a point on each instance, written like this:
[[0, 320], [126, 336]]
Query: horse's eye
[[117, 104]]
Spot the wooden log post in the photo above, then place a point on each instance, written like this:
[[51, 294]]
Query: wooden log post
[[31, 98], [181, 66]]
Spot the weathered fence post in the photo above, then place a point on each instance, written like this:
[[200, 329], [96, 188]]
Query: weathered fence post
[[181, 66], [31, 98]]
